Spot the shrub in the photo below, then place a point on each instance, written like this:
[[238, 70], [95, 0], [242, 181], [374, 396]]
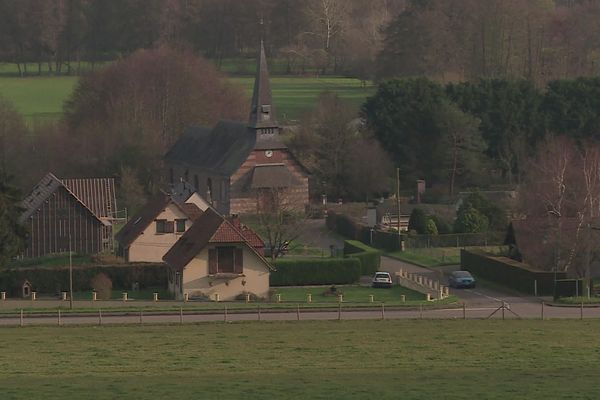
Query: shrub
[[102, 284], [442, 226], [418, 221], [315, 271], [370, 258], [431, 227], [470, 220]]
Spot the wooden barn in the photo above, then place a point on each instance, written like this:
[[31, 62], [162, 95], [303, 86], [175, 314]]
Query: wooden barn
[[241, 167], [69, 213]]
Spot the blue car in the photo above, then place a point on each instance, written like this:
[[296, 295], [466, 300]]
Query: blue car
[[461, 279]]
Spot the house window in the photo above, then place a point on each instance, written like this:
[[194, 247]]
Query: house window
[[226, 259], [180, 225], [164, 226]]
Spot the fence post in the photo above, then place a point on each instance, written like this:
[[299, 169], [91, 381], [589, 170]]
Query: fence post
[[502, 310], [535, 287], [464, 310], [259, 312], [309, 298], [581, 311], [59, 322], [99, 316], [21, 321], [382, 310], [371, 298], [141, 317], [3, 296], [421, 311], [339, 311], [225, 314], [298, 312], [181, 315]]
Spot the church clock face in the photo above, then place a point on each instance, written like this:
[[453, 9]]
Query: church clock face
[[269, 153]]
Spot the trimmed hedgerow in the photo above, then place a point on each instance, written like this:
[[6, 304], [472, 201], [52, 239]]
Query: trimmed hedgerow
[[370, 258], [315, 271]]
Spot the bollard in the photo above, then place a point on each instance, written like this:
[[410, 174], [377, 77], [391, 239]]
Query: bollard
[[247, 297], [440, 293], [3, 296], [403, 298], [382, 310], [124, 296], [371, 298], [64, 296], [217, 297], [100, 316], [278, 297], [33, 296], [59, 322], [428, 297], [446, 291], [186, 297], [94, 296], [181, 315], [542, 310], [155, 297], [309, 298], [340, 298]]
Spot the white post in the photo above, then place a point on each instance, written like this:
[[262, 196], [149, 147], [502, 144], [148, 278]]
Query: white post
[[403, 298], [428, 297], [155, 296], [309, 298], [371, 298], [247, 297], [33, 296], [124, 296], [3, 295], [278, 297], [94, 296], [217, 298], [186, 297], [340, 298], [64, 296]]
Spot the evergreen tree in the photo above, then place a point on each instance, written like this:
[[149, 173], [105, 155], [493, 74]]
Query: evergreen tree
[[418, 221], [12, 234]]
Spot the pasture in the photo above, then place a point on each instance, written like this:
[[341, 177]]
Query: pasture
[[408, 359], [41, 98]]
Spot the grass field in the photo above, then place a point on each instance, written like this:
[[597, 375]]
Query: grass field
[[42, 98], [409, 359]]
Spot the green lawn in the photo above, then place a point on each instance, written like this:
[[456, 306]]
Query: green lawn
[[351, 294], [41, 98], [400, 359], [439, 256]]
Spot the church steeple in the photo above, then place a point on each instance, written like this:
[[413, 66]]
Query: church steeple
[[262, 112]]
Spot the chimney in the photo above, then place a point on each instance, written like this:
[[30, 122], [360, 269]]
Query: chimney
[[235, 220]]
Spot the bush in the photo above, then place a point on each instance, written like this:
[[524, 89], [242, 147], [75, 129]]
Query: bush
[[470, 220], [418, 221], [370, 258], [315, 271], [431, 227], [102, 284], [442, 226]]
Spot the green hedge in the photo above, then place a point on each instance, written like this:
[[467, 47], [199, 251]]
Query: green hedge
[[315, 271], [370, 258], [55, 280], [508, 272], [349, 228]]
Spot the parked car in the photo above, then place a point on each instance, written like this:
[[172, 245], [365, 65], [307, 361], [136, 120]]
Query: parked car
[[461, 279], [382, 279]]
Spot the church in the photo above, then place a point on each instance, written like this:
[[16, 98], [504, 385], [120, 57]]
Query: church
[[242, 168]]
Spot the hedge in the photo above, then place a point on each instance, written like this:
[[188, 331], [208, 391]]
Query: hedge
[[55, 280], [370, 258], [315, 271], [508, 272], [347, 227]]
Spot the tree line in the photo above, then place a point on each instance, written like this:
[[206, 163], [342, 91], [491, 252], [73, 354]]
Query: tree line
[[474, 134], [330, 35]]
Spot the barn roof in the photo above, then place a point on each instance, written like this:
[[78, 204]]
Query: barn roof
[[97, 193], [45, 187]]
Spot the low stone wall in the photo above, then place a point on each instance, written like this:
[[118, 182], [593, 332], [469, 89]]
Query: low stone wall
[[422, 284]]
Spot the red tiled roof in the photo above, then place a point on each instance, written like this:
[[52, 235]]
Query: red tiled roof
[[226, 233]]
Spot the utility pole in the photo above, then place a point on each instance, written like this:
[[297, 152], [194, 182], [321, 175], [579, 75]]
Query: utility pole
[[70, 275], [398, 206]]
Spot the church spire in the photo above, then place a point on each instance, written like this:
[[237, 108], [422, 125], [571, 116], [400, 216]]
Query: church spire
[[262, 112]]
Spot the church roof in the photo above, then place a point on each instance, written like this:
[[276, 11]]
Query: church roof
[[262, 111], [271, 176], [221, 150]]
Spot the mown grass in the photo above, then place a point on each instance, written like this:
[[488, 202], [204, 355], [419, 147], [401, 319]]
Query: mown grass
[[440, 256], [408, 359], [351, 294], [41, 98]]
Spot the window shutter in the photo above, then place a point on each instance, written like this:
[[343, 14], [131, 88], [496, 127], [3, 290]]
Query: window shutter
[[212, 261], [238, 261], [170, 226]]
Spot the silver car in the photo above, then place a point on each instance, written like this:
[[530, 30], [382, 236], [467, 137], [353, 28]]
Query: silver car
[[382, 279]]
